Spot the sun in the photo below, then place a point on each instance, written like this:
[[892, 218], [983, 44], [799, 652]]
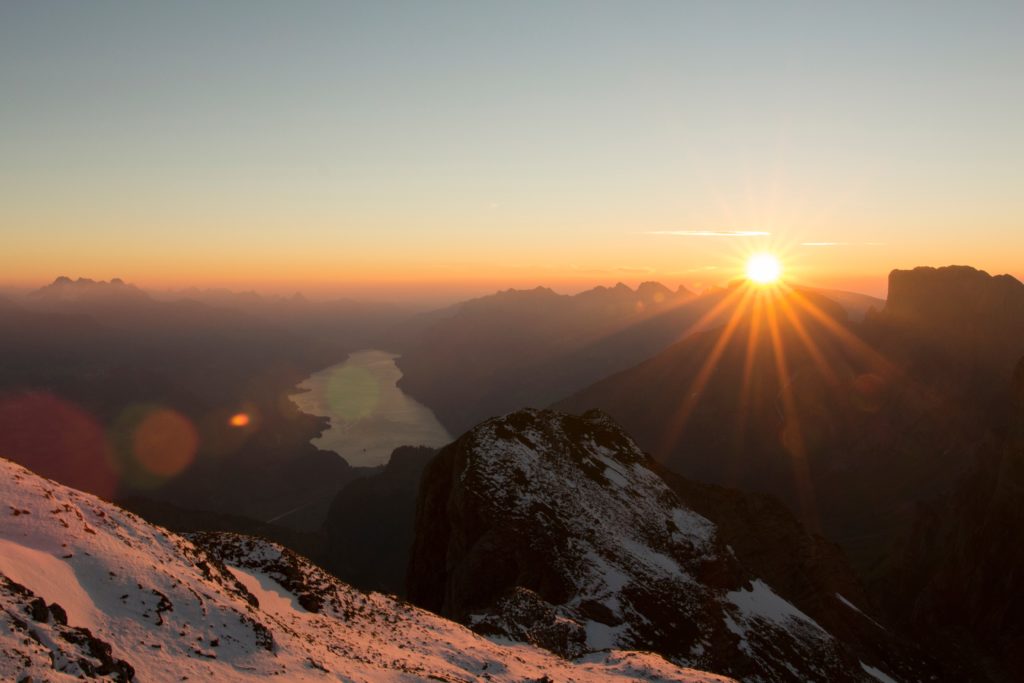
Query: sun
[[764, 269]]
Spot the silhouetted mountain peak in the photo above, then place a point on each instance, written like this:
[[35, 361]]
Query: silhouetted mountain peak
[[654, 292], [957, 289], [960, 311], [64, 289]]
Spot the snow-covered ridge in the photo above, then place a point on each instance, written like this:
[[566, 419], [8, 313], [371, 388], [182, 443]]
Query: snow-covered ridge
[[88, 589]]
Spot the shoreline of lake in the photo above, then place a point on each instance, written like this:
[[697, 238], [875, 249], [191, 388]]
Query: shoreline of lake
[[369, 415]]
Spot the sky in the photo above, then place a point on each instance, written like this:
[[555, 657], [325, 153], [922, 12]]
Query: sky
[[404, 149]]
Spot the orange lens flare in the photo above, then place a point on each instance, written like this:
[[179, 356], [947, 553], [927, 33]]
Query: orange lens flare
[[164, 443], [56, 438], [240, 420]]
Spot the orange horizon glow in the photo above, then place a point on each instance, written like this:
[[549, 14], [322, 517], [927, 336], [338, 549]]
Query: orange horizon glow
[[434, 276], [453, 286]]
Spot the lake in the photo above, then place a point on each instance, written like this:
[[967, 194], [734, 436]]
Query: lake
[[370, 416]]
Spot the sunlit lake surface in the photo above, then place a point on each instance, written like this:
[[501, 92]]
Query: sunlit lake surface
[[370, 416]]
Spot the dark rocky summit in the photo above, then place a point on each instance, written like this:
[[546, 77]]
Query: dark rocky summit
[[556, 530], [956, 321]]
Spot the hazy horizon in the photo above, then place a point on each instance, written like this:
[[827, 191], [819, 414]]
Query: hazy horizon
[[415, 296]]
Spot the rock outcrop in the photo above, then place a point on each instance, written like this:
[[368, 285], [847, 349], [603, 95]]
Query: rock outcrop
[[960, 317], [555, 530]]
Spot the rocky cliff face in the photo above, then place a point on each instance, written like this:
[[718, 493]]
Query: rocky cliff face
[[965, 317], [958, 580], [554, 530]]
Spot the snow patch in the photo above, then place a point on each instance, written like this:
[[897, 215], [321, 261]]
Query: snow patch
[[877, 674], [858, 610], [693, 526], [762, 602], [50, 577], [602, 636], [271, 596]]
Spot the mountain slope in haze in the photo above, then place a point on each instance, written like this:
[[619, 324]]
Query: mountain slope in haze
[[485, 358], [520, 349], [89, 590], [849, 424], [553, 529], [857, 305]]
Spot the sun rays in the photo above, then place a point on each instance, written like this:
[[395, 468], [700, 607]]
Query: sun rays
[[765, 320]]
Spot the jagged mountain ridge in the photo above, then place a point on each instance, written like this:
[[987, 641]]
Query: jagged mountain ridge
[[553, 529], [88, 589]]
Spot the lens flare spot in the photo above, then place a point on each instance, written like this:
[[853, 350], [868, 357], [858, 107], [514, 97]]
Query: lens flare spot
[[57, 439], [240, 420], [353, 393], [164, 442]]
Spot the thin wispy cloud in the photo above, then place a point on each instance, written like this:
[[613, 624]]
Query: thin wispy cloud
[[710, 233], [842, 244], [634, 269]]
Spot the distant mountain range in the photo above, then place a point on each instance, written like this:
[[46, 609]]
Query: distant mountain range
[[520, 348]]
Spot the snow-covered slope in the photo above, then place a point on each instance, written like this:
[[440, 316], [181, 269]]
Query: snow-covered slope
[[553, 529], [89, 590]]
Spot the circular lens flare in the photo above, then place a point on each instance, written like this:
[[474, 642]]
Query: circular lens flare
[[763, 269], [164, 443], [240, 420]]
